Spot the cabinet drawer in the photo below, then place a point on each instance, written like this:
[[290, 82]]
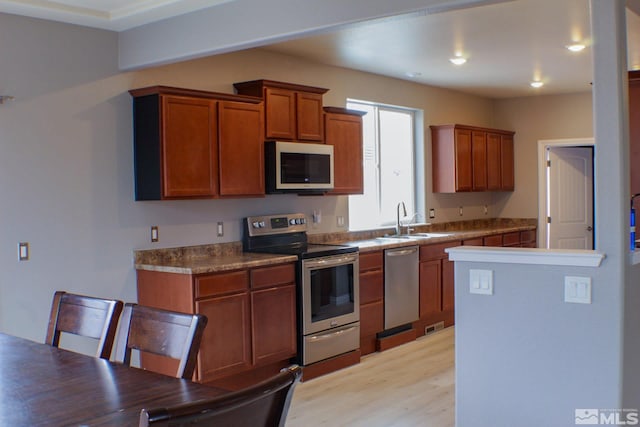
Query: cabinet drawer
[[371, 287], [371, 261], [223, 283], [473, 242], [527, 236], [273, 276], [511, 239], [428, 252], [495, 240]]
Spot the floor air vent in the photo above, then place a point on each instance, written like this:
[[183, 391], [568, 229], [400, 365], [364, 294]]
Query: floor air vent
[[432, 328]]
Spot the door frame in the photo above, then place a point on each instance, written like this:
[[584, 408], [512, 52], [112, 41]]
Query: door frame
[[543, 144]]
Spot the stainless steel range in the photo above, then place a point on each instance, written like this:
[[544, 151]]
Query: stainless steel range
[[327, 284]]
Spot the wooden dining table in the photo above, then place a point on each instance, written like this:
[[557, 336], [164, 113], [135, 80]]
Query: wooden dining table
[[41, 385]]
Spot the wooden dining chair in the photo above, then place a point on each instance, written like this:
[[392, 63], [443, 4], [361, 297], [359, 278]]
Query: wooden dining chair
[[161, 332], [265, 404], [86, 316]]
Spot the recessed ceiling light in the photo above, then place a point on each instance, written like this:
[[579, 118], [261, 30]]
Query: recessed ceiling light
[[536, 84], [413, 74], [576, 47], [458, 60]]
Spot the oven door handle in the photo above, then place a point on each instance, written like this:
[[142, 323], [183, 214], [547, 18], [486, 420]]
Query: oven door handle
[[331, 333], [331, 262]]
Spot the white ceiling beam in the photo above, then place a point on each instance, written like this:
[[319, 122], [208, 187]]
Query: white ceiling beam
[[243, 24]]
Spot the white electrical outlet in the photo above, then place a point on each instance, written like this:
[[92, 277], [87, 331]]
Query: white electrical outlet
[[154, 233], [577, 289], [460, 210], [220, 231], [340, 221], [23, 251], [481, 282], [432, 213]]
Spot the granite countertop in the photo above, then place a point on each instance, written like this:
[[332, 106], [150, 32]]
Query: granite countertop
[[203, 259]]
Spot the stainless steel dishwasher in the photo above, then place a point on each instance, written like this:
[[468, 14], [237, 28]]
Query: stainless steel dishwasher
[[401, 287]]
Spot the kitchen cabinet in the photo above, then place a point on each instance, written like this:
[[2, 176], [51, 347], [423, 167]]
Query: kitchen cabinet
[[634, 130], [436, 286], [468, 158], [514, 239], [252, 316], [196, 144], [371, 299], [292, 112], [343, 130]]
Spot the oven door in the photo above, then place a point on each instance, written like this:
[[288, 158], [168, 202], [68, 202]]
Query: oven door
[[330, 292]]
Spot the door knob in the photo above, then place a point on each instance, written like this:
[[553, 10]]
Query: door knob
[[589, 228]]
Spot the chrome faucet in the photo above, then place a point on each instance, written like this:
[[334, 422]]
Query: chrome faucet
[[404, 214]]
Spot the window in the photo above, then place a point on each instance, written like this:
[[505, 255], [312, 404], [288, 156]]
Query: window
[[389, 165]]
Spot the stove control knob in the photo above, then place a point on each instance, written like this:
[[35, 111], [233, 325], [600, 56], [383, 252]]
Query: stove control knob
[[262, 224], [255, 224], [303, 221], [292, 221]]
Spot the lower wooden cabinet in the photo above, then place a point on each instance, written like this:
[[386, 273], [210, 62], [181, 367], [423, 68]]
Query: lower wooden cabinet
[[251, 313], [371, 300], [437, 298]]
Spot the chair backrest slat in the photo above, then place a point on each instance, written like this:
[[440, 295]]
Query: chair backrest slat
[[265, 404], [86, 316], [162, 332]]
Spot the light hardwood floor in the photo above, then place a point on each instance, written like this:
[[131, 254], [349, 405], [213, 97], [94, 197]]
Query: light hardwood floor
[[410, 385]]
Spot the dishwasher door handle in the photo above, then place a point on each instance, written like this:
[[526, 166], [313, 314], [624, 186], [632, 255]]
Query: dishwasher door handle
[[401, 252]]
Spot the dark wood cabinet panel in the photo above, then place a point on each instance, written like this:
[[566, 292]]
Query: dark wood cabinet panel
[[371, 299], [511, 239], [468, 158], [220, 284], [177, 147], [284, 274], [226, 342], [309, 116], [273, 322], [430, 288], [494, 162], [343, 130], [241, 150], [189, 147], [479, 160], [292, 112], [280, 110], [507, 163], [473, 242], [495, 240]]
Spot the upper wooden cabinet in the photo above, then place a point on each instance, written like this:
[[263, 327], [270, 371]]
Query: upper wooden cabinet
[[634, 129], [292, 112], [343, 130], [196, 144], [467, 158]]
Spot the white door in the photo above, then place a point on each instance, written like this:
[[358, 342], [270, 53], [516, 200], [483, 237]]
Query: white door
[[570, 198]]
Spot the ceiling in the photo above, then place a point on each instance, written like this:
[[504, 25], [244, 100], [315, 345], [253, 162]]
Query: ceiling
[[507, 44]]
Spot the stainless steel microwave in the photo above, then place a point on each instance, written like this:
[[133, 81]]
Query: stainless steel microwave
[[298, 167]]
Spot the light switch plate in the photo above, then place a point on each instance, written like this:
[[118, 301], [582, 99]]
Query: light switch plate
[[577, 289], [481, 282]]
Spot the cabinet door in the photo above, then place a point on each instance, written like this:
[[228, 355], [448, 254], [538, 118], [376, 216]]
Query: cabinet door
[[430, 288], [371, 322], [344, 132], [189, 147], [506, 163], [226, 342], [495, 240], [280, 113], [494, 174], [273, 314], [448, 285], [309, 116], [479, 160], [241, 149], [463, 160]]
